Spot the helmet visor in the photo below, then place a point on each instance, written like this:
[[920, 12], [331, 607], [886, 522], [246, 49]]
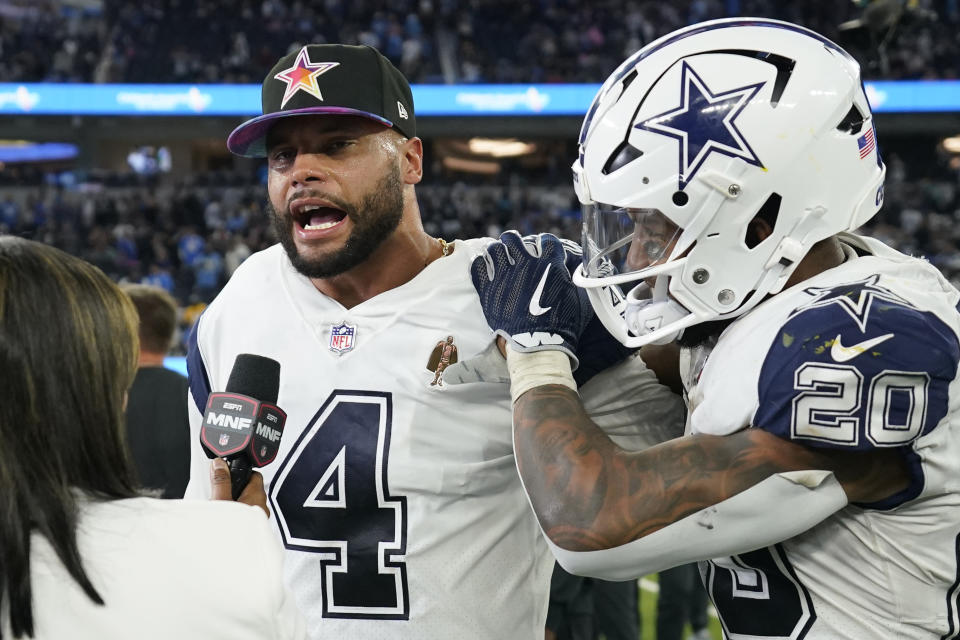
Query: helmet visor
[[620, 240]]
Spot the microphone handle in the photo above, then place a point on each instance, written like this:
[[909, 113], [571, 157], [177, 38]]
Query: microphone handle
[[240, 471]]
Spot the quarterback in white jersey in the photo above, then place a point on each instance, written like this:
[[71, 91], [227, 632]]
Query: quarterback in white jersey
[[722, 169], [394, 493], [397, 500]]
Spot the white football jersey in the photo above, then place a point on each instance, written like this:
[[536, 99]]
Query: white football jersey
[[860, 357], [398, 500]]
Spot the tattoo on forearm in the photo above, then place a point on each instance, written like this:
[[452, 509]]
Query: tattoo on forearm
[[589, 494]]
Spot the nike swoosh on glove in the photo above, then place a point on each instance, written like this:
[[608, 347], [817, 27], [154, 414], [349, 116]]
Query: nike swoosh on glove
[[528, 296], [597, 350]]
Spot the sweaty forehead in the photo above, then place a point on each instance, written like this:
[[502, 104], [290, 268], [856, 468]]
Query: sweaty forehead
[[311, 126]]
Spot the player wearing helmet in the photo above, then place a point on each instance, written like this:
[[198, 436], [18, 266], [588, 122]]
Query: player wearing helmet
[[697, 150], [722, 170]]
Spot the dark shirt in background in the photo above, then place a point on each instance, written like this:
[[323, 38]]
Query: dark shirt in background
[[158, 430]]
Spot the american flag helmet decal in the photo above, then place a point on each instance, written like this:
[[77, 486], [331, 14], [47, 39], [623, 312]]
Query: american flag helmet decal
[[866, 143]]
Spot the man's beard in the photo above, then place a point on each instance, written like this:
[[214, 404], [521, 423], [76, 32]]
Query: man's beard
[[374, 219]]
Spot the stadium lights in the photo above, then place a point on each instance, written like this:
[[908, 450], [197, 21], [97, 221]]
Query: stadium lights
[[952, 144], [471, 166], [500, 148]]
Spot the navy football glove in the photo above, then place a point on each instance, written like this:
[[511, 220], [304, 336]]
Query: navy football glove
[[528, 295]]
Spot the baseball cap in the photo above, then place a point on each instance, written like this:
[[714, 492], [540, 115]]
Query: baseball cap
[[335, 79]]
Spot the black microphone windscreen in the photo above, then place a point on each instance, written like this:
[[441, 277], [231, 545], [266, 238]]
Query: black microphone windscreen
[[255, 376]]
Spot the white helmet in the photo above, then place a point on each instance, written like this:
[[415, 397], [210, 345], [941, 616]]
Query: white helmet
[[690, 139]]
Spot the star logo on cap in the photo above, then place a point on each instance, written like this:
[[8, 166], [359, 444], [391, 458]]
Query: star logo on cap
[[704, 123], [302, 76]]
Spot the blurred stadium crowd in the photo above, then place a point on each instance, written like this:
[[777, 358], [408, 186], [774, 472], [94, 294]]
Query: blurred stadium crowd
[[189, 234], [431, 41]]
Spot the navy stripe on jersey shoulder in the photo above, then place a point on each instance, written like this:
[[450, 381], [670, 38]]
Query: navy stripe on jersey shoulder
[[857, 367], [196, 370]]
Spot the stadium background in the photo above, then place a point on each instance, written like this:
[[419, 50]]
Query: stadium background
[[114, 113]]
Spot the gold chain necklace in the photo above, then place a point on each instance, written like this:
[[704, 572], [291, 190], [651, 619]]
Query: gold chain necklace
[[445, 246]]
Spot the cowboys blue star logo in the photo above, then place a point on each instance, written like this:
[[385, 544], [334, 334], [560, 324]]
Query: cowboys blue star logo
[[855, 298], [704, 123]]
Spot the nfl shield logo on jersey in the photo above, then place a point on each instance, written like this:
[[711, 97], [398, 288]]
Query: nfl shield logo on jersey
[[341, 337]]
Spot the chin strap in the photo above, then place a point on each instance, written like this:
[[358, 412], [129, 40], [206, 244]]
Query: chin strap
[[650, 310]]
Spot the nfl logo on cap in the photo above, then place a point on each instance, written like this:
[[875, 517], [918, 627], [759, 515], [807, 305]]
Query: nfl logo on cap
[[341, 337]]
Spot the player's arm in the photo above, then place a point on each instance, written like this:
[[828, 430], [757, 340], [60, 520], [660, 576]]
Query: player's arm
[[663, 360], [589, 494], [617, 515]]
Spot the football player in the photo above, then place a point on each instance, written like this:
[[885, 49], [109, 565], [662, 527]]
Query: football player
[[722, 169], [398, 502]]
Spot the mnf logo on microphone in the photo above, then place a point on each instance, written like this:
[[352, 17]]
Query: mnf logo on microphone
[[233, 423]]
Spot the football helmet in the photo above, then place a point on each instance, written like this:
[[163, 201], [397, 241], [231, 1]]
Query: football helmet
[[693, 137]]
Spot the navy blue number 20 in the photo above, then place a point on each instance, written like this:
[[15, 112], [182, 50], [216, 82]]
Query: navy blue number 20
[[331, 497]]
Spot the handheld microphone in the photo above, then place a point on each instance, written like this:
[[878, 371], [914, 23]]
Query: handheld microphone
[[243, 424]]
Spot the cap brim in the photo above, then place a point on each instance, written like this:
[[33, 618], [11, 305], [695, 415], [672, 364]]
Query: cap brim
[[249, 139]]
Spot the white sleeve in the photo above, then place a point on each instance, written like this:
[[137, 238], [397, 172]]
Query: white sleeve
[[287, 621], [780, 507], [631, 406]]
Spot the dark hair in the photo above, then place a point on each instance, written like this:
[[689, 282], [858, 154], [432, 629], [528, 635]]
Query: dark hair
[[158, 316], [68, 354]]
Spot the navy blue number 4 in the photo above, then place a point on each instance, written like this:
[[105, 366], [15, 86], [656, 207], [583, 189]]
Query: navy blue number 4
[[331, 497]]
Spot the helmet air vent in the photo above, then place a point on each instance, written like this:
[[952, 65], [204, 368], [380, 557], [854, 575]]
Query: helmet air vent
[[851, 123], [768, 212], [783, 65], [621, 156]]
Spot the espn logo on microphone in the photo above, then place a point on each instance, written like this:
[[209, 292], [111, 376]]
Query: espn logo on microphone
[[233, 423]]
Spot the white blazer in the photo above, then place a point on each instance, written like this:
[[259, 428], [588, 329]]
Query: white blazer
[[166, 569]]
